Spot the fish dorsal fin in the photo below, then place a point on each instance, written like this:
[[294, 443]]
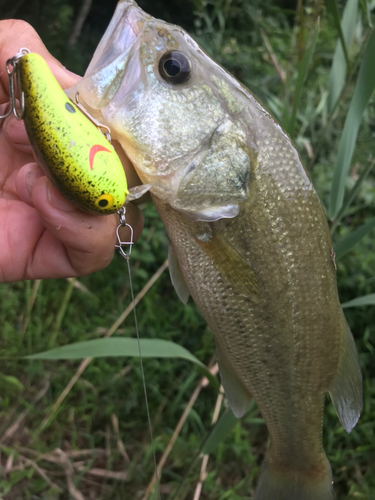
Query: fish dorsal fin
[[346, 389], [238, 397], [176, 275]]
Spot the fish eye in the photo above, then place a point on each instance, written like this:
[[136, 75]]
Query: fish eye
[[104, 201], [175, 67]]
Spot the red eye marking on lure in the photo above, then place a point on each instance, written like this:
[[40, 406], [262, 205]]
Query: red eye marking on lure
[[95, 149]]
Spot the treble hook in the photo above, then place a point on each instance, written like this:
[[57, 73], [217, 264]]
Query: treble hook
[[13, 74]]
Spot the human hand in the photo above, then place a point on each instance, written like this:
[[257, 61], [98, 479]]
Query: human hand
[[41, 234]]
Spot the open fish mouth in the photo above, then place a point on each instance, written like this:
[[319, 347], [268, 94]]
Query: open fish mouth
[[107, 68], [131, 86]]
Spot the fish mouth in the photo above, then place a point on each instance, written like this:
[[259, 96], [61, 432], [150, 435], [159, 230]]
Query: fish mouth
[[106, 70]]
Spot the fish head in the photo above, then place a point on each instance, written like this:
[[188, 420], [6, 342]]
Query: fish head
[[175, 112]]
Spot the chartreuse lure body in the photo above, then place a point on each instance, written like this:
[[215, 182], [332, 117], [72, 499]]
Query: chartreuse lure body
[[74, 154]]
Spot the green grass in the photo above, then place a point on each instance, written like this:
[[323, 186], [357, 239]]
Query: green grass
[[101, 425]]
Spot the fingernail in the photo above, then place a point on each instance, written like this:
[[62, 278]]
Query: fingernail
[[33, 174], [65, 77], [58, 201]]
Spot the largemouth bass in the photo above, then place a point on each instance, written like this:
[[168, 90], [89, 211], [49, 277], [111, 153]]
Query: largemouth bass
[[249, 239]]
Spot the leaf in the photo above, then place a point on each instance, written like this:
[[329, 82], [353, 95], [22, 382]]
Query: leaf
[[339, 62], [352, 194], [333, 9], [353, 238], [219, 431], [365, 300], [120, 346], [12, 382], [223, 426], [364, 88], [302, 73], [367, 6]]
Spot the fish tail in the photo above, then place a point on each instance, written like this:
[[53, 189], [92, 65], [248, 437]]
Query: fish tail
[[283, 484]]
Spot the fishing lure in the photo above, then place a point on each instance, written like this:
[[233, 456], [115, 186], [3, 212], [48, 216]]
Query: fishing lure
[[72, 151]]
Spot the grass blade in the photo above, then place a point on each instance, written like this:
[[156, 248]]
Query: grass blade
[[367, 6], [333, 9], [30, 305], [219, 431], [61, 313], [302, 73], [339, 63], [352, 194], [119, 346], [365, 300], [363, 90], [348, 243]]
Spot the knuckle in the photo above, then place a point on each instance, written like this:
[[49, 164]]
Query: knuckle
[[22, 27]]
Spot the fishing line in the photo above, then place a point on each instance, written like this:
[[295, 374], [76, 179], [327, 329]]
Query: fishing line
[[143, 379], [120, 245]]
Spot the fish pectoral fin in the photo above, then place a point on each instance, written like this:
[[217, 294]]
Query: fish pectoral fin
[[237, 395], [177, 277], [237, 270], [213, 214], [346, 389], [137, 192]]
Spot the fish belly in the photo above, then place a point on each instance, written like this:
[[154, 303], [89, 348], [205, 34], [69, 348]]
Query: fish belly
[[273, 309]]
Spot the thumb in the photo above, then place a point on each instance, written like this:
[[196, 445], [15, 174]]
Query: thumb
[[73, 242], [88, 240], [16, 34]]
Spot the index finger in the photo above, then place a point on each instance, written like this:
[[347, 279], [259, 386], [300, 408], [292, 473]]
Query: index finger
[[16, 34]]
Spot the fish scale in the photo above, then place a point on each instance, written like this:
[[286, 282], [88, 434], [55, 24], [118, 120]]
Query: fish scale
[[264, 211], [241, 332]]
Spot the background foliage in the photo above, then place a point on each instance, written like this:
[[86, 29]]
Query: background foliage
[[291, 56]]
